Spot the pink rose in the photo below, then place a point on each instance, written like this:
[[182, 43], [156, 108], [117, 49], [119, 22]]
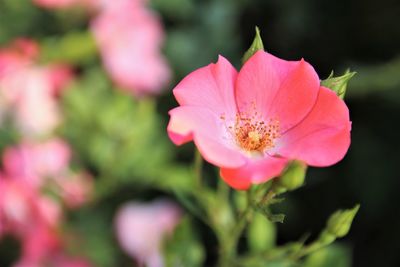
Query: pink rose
[[252, 123]]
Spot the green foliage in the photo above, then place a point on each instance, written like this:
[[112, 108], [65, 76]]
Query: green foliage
[[112, 133], [75, 48], [184, 248], [91, 235], [175, 9]]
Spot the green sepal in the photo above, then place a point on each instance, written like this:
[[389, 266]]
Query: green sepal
[[267, 213], [338, 84], [255, 46]]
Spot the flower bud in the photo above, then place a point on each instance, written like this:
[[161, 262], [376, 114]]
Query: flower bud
[[340, 222], [255, 46], [293, 177], [338, 84]]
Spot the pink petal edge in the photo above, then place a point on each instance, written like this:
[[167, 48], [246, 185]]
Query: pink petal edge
[[323, 137], [254, 172], [210, 87]]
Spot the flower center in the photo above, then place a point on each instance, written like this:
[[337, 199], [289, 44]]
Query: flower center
[[253, 134]]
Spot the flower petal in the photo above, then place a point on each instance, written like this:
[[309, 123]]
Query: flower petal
[[323, 137], [208, 132], [210, 87], [279, 89], [255, 172]]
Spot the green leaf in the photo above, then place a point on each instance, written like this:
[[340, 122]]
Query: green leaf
[[255, 46], [338, 84], [261, 234], [340, 222], [73, 48]]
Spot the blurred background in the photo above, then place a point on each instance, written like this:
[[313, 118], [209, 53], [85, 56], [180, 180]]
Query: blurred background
[[119, 137]]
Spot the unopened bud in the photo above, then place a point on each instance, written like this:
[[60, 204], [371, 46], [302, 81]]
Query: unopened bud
[[255, 46], [340, 222], [338, 84], [293, 177]]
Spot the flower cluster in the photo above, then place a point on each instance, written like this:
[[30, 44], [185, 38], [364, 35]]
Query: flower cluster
[[36, 184], [36, 181]]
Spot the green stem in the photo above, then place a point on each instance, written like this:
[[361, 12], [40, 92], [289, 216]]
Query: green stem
[[223, 190], [229, 237], [324, 240], [227, 252], [198, 167]]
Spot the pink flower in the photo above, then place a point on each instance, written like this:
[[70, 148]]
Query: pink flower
[[46, 164], [252, 123], [140, 229], [37, 246], [34, 220], [34, 162], [28, 91], [129, 37]]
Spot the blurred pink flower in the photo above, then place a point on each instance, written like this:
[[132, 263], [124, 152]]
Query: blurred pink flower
[[30, 218], [46, 164], [23, 210], [37, 246], [129, 37], [140, 229], [36, 161], [34, 220], [28, 91], [252, 123]]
